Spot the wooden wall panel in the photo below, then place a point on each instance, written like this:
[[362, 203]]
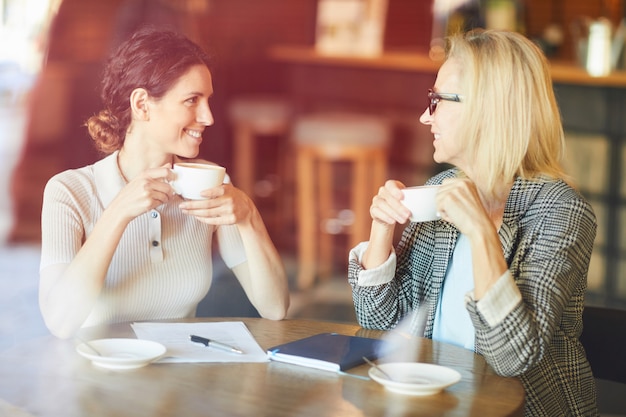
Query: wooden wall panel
[[409, 24]]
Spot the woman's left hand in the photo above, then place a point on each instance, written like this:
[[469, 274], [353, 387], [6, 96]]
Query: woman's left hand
[[224, 204], [460, 203]]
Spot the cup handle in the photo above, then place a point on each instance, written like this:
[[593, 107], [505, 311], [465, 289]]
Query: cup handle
[[174, 185]]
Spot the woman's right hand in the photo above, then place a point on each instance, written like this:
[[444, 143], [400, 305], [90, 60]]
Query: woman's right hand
[[387, 208], [143, 193], [68, 292]]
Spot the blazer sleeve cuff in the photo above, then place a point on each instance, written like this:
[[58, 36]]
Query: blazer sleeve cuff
[[500, 300], [382, 274]]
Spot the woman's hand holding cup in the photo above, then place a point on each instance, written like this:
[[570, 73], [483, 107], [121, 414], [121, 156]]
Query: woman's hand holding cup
[[194, 178]]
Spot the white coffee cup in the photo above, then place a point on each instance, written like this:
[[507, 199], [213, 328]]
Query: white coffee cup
[[421, 201], [193, 178]]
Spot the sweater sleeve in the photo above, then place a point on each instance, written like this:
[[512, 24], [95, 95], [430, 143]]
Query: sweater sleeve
[[229, 240], [231, 246], [65, 201]]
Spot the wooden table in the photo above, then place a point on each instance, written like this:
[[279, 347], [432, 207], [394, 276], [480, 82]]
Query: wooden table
[[46, 377]]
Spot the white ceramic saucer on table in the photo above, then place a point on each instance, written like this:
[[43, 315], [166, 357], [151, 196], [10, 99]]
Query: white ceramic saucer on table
[[121, 353], [413, 378]]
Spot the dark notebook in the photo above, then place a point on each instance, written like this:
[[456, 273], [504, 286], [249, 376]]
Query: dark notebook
[[328, 351]]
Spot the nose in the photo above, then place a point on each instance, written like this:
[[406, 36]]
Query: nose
[[426, 118], [204, 115]]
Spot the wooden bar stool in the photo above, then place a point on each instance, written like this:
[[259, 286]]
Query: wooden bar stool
[[254, 117], [324, 143], [259, 122]]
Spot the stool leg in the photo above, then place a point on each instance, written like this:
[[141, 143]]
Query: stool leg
[[306, 219], [379, 173], [244, 162], [361, 200], [285, 198], [325, 194]]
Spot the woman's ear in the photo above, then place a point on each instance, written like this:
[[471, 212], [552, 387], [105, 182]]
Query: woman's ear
[[139, 104]]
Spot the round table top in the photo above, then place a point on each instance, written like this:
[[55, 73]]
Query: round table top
[[47, 377]]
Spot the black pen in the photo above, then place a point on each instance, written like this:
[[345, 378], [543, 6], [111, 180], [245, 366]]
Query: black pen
[[214, 344]]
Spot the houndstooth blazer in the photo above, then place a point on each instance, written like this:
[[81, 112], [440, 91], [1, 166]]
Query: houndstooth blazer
[[547, 237]]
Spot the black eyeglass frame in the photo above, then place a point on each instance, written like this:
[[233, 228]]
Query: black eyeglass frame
[[435, 98]]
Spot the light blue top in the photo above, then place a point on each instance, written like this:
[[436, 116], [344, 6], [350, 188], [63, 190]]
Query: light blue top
[[452, 321]]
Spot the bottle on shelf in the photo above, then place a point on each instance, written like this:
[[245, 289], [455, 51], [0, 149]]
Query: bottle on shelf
[[504, 15]]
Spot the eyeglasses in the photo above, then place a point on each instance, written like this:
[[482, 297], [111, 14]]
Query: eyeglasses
[[435, 98]]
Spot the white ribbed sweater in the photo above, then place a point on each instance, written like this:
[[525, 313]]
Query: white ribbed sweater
[[162, 266]]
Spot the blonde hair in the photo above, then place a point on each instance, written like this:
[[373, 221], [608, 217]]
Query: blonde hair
[[513, 124]]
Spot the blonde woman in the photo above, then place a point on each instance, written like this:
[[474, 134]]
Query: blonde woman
[[504, 271]]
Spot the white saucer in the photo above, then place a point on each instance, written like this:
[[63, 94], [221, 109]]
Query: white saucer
[[122, 353], [412, 378]]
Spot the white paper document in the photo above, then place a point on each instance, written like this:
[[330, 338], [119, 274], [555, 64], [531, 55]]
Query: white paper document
[[175, 337]]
